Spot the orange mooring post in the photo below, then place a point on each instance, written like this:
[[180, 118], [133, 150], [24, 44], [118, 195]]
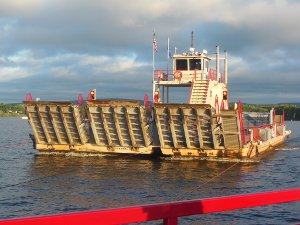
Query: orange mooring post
[[80, 100], [168, 212], [28, 97]]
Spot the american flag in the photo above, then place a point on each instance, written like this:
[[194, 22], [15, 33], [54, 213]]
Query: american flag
[[154, 43]]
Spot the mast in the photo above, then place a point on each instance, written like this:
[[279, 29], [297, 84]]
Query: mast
[[218, 62], [225, 69], [153, 67], [168, 58], [192, 39]]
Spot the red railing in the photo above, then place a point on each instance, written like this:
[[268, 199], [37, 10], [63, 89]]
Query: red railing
[[163, 75], [191, 90], [168, 212], [255, 129], [169, 75], [192, 86], [212, 74]]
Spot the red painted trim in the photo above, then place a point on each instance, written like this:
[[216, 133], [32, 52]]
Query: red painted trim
[[191, 90], [28, 97], [171, 221], [261, 126], [167, 74], [169, 212], [146, 99], [80, 100], [242, 129], [212, 74]]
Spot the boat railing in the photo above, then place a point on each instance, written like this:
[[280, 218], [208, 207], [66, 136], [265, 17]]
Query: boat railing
[[169, 75], [212, 75], [252, 133], [191, 90], [168, 212], [165, 75]]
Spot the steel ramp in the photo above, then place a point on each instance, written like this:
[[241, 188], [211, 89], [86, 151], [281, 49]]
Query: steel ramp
[[108, 127], [184, 127], [56, 125], [231, 130], [116, 123]]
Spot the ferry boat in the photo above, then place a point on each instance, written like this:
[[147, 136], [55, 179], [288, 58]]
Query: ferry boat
[[205, 127]]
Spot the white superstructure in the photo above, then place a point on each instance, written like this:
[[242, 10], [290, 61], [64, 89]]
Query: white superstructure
[[191, 69]]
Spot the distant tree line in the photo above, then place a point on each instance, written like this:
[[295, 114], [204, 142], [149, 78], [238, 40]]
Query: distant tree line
[[11, 109], [291, 111]]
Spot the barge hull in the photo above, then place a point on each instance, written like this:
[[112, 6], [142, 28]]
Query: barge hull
[[126, 127]]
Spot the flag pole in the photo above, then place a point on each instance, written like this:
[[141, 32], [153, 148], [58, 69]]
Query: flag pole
[[168, 57], [168, 54], [153, 67]]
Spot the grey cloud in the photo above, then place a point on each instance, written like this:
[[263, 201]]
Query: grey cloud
[[58, 36]]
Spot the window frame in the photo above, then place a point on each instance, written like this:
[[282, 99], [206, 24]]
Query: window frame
[[191, 63], [187, 64]]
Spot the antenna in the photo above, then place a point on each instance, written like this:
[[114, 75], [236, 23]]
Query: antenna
[[192, 39], [192, 49]]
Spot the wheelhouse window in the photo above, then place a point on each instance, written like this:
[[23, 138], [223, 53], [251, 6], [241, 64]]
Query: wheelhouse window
[[195, 64], [181, 64]]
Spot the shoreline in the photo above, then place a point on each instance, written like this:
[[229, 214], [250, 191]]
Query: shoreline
[[11, 115]]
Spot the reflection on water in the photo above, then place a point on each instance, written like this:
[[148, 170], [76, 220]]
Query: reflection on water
[[33, 184]]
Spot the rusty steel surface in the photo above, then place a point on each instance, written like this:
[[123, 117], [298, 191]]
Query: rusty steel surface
[[47, 103], [113, 103]]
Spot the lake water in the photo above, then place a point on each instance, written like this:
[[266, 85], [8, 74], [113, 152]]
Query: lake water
[[33, 184]]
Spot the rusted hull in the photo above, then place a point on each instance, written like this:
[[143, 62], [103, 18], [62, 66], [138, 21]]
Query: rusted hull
[[90, 148], [249, 152], [257, 149]]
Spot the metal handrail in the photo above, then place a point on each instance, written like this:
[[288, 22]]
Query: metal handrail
[[168, 75], [168, 212]]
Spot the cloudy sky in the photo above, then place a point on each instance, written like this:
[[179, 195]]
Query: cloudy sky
[[56, 49]]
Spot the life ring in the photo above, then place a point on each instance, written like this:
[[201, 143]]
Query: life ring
[[177, 75]]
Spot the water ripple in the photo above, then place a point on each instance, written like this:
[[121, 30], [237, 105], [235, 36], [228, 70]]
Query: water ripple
[[35, 184]]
